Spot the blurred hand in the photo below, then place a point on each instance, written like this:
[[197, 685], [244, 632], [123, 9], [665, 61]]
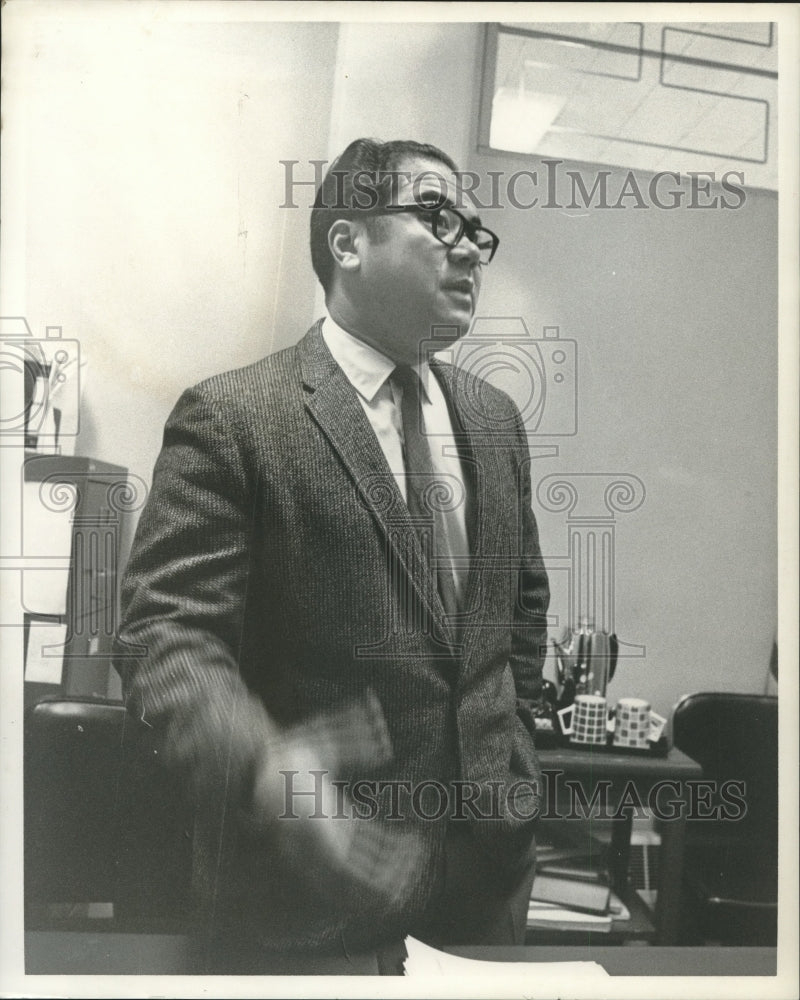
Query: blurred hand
[[235, 756], [216, 743], [319, 835]]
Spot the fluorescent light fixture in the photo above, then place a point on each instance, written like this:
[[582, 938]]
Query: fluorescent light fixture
[[521, 118]]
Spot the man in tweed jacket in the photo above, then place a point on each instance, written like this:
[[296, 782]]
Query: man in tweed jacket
[[296, 636]]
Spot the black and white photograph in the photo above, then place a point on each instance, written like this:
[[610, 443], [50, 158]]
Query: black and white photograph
[[399, 549]]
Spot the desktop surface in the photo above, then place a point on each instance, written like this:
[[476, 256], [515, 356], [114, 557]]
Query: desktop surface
[[88, 953]]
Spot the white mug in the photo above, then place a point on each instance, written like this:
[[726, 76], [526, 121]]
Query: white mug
[[589, 719], [636, 724]]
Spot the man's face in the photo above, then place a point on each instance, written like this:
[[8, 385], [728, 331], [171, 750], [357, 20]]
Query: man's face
[[409, 282]]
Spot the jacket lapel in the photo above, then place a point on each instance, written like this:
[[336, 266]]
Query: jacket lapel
[[476, 437], [333, 403]]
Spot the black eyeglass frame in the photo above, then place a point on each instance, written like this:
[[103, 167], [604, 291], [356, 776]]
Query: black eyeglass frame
[[465, 226]]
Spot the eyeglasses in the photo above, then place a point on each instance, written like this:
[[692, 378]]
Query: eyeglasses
[[448, 226]]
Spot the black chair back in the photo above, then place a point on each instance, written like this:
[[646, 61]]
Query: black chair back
[[104, 822], [731, 865], [734, 737]]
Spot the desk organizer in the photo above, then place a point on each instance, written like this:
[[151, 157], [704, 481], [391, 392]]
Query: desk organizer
[[659, 749]]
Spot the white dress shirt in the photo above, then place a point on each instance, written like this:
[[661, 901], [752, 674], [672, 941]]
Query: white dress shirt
[[368, 372]]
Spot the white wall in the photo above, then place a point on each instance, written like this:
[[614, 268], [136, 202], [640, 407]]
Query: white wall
[[405, 81], [155, 234], [675, 318]]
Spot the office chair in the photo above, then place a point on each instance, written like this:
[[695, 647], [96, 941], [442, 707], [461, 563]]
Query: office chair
[[730, 886], [104, 823]]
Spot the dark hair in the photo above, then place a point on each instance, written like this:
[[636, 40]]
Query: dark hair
[[343, 193]]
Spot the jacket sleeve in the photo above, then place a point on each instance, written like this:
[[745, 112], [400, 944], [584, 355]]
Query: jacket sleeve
[[183, 598], [529, 630]]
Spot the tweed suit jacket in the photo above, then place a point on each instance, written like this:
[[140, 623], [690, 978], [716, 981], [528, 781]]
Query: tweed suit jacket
[[276, 560]]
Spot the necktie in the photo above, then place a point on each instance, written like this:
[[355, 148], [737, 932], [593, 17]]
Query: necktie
[[424, 498]]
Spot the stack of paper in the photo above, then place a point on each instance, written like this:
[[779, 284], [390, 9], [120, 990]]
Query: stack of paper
[[423, 960]]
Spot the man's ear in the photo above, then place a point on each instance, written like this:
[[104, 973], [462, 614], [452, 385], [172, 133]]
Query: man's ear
[[344, 242]]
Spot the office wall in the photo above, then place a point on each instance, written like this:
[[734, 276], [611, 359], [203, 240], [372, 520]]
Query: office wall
[[675, 318], [411, 81], [155, 233], [153, 188]]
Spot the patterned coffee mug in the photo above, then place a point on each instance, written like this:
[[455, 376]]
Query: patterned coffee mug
[[636, 724], [589, 719]]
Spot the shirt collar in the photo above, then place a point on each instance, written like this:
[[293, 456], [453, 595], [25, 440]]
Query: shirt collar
[[366, 368]]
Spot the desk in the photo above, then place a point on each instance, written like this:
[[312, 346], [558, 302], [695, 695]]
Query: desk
[[642, 961], [74, 953], [590, 767]]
